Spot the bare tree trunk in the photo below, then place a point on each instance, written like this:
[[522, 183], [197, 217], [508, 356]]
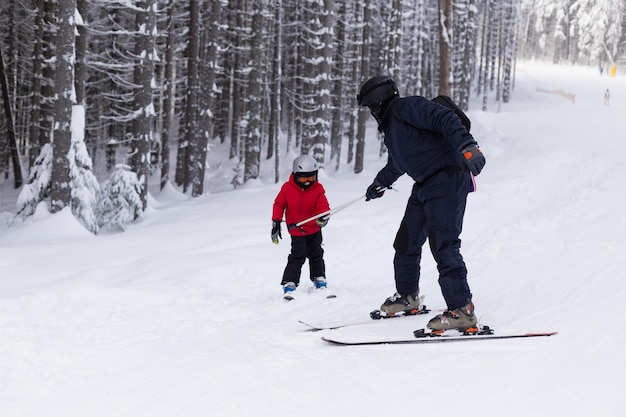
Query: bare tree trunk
[[170, 95], [323, 99], [60, 187], [308, 75], [445, 46], [353, 67], [336, 128], [143, 103], [12, 140], [511, 24], [485, 53], [193, 89], [80, 66], [81, 73], [467, 39], [35, 114], [209, 64], [46, 118], [395, 41], [252, 163], [359, 155], [238, 79], [275, 107]]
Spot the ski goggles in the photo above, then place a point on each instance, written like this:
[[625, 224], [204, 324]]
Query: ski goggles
[[305, 179]]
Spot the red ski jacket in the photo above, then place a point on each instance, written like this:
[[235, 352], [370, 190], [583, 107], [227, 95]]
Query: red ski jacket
[[299, 204]]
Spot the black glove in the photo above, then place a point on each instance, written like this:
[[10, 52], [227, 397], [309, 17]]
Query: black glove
[[473, 158], [322, 221], [375, 190], [276, 232]]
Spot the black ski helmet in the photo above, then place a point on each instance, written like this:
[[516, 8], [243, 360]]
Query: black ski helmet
[[377, 89], [376, 93]]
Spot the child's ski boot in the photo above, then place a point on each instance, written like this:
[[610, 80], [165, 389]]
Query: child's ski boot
[[288, 291]]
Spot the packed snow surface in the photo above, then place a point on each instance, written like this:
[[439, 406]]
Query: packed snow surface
[[181, 315]]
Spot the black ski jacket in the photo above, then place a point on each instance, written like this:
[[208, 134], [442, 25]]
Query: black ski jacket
[[423, 138]]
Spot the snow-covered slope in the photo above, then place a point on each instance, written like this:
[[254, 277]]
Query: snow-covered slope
[[182, 314]]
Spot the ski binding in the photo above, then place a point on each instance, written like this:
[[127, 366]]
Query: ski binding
[[379, 315]]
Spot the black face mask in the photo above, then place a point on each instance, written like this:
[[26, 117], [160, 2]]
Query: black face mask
[[378, 110]]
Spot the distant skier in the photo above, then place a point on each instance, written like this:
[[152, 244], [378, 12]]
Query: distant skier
[[607, 97], [300, 198], [428, 142]]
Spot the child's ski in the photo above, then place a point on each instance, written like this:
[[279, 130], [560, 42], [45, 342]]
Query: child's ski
[[321, 292]]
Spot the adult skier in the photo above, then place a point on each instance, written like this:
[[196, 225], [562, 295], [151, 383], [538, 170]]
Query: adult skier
[[428, 142]]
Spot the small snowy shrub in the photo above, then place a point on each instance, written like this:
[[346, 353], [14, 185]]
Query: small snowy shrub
[[85, 186], [120, 199], [37, 188]]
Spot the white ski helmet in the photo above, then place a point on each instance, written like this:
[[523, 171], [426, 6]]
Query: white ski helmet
[[305, 164]]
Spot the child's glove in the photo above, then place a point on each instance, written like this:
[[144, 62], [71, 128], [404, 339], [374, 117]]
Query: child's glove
[[276, 232], [473, 158], [322, 221]]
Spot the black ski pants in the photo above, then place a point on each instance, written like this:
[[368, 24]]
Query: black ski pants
[[435, 212], [303, 247]]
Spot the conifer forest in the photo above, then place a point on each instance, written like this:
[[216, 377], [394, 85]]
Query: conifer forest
[[99, 97]]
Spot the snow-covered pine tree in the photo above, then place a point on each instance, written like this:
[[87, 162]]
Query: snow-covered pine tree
[[83, 183], [237, 180], [598, 24], [37, 188], [120, 200]]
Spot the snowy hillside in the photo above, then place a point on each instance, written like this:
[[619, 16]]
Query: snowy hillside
[[182, 314]]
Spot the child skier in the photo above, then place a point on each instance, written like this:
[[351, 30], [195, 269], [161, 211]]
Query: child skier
[[301, 198]]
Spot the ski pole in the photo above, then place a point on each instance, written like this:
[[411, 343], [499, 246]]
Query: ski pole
[[346, 205], [331, 211]]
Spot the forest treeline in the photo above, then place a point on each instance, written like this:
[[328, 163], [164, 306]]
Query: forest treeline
[[101, 95]]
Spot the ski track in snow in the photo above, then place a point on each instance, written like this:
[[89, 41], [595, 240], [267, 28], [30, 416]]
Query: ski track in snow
[[182, 314]]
